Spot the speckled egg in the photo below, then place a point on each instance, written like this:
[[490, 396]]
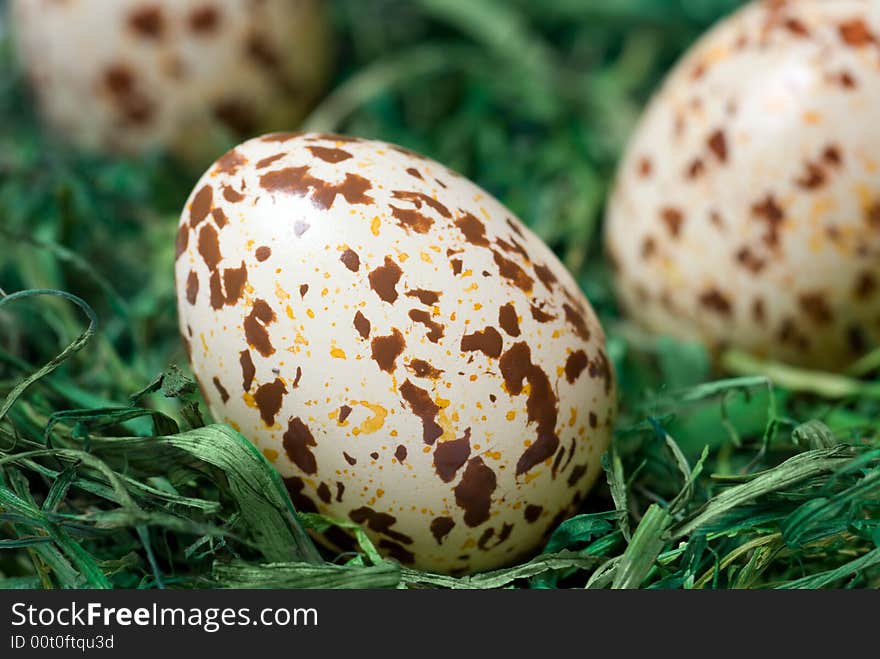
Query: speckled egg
[[747, 210], [128, 75], [404, 351]]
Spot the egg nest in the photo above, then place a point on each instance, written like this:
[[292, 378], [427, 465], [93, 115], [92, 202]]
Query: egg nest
[[113, 475]]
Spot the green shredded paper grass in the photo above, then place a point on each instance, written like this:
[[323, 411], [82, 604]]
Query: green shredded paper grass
[[742, 474]]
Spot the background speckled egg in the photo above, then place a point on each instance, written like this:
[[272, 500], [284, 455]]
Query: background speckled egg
[[747, 210], [133, 74], [403, 349]]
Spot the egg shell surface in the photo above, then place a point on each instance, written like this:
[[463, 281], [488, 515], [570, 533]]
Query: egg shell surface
[[746, 212], [130, 75], [405, 352]]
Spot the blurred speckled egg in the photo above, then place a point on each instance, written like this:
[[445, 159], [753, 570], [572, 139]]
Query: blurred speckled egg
[[403, 349], [128, 75], [747, 209]]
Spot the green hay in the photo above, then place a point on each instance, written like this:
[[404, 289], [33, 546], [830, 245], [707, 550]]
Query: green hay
[[757, 476]]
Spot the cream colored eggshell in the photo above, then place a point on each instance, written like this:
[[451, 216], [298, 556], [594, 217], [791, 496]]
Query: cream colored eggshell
[[128, 75], [747, 209], [308, 262]]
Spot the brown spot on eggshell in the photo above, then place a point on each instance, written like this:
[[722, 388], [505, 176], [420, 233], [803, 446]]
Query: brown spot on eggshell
[[303, 289], [297, 377], [350, 260], [268, 399], [248, 370], [714, 300], [344, 411], [220, 218], [280, 137], [512, 272], [866, 285], [383, 280], [577, 321], [201, 205], [856, 33], [456, 266], [218, 298], [147, 21], [263, 253], [539, 315], [379, 522], [135, 107], [400, 453], [224, 395], [298, 442], [209, 246], [231, 195], [229, 163], [546, 276], [515, 227], [487, 340], [422, 369], [182, 241], [513, 247], [386, 349], [473, 494], [298, 181], [425, 408], [474, 230], [204, 20], [769, 211], [517, 369], [450, 456], [192, 287], [362, 325], [329, 155], [295, 487], [815, 305], [255, 330], [507, 319], [265, 162], [435, 329], [234, 282], [796, 27], [428, 298], [813, 177], [440, 528], [262, 52], [330, 137], [349, 459], [532, 512], [397, 551], [324, 493], [673, 219], [489, 533], [575, 364], [577, 474], [749, 260], [412, 171], [717, 143]]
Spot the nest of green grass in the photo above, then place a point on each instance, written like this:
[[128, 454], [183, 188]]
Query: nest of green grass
[[111, 475]]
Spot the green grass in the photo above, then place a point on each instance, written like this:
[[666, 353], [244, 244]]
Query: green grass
[[751, 476]]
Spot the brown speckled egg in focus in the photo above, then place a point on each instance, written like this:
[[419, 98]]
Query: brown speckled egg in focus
[[406, 352], [747, 209], [129, 75]]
